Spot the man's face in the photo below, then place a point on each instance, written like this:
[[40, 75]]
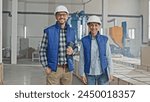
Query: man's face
[[94, 28], [61, 17]]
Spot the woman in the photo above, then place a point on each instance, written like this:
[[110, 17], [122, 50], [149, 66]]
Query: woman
[[95, 65]]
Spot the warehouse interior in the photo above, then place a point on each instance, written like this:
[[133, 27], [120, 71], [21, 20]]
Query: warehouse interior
[[125, 22]]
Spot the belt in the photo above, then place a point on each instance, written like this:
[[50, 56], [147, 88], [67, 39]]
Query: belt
[[63, 66]]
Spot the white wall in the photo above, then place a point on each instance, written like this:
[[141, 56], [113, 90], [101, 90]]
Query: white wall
[[124, 7], [6, 24], [144, 10], [34, 23], [94, 7]]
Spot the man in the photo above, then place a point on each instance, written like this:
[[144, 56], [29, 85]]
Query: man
[[57, 48], [95, 64]]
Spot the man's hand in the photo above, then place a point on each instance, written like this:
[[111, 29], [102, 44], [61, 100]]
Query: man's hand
[[69, 51], [48, 70]]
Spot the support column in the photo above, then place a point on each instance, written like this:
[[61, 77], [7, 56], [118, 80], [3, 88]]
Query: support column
[[14, 32], [1, 6], [1, 64], [104, 15]]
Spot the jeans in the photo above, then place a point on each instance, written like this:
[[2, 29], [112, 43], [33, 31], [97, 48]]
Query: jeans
[[97, 79]]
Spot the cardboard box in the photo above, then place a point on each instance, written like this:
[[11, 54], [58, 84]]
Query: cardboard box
[[145, 56]]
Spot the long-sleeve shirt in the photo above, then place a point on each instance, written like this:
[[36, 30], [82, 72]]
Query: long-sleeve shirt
[[95, 67], [43, 49], [62, 49]]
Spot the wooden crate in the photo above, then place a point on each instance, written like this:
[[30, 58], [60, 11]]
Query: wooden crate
[[1, 73], [116, 33]]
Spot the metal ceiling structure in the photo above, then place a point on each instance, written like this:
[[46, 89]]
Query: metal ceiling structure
[[66, 2], [70, 2]]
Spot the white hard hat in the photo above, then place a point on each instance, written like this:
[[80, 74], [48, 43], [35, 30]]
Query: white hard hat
[[61, 8], [95, 19]]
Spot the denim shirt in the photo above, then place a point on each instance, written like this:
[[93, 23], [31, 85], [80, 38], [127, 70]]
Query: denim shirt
[[95, 67]]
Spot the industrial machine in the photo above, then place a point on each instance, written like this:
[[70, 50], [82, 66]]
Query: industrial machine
[[78, 21]]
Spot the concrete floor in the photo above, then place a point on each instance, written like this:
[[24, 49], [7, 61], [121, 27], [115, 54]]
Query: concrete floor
[[127, 71], [27, 73]]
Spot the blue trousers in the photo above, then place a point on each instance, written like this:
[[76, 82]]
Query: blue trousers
[[97, 79]]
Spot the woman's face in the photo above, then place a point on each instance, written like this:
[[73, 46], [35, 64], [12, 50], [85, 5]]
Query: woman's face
[[94, 28]]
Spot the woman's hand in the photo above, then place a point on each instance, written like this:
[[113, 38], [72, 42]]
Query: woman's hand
[[111, 78], [83, 79]]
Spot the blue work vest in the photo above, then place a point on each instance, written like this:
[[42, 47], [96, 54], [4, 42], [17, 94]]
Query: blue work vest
[[101, 41], [53, 34]]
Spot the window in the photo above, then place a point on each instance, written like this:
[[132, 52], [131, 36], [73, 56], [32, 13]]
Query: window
[[131, 33], [101, 31]]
